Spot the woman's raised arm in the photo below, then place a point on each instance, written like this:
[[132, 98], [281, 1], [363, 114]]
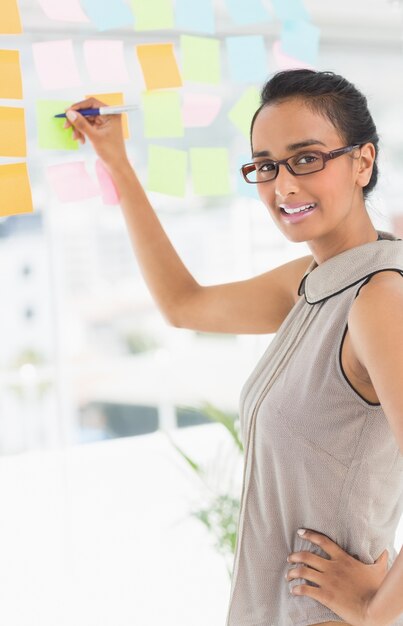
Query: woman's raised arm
[[256, 305]]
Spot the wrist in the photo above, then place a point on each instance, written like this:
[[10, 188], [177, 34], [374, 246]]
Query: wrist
[[118, 167], [370, 618]]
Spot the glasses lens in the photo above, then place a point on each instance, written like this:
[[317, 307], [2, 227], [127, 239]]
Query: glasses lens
[[307, 162], [259, 172]]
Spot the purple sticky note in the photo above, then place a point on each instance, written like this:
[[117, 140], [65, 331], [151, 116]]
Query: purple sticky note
[[63, 11], [108, 189], [105, 60], [200, 109], [56, 64], [71, 182]]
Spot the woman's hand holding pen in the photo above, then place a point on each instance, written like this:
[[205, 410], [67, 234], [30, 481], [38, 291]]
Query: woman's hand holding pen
[[104, 132]]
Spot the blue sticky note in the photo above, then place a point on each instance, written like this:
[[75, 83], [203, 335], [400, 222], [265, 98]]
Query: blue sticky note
[[247, 58], [107, 15], [300, 40], [247, 11], [195, 15], [244, 188], [290, 10]]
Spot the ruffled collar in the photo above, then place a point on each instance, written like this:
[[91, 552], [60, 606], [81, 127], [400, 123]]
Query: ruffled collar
[[349, 267]]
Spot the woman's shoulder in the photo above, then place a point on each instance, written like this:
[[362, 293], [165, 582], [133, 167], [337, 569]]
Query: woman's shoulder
[[297, 270]]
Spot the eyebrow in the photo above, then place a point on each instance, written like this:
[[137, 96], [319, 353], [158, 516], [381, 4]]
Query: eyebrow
[[292, 146]]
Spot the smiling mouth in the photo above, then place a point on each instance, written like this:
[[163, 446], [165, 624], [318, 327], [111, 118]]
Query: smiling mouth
[[295, 211]]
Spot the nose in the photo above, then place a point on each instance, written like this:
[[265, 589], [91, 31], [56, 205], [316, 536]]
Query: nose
[[285, 183]]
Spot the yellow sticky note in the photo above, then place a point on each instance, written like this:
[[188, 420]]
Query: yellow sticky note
[[167, 169], [210, 171], [153, 14], [201, 59], [15, 190], [159, 66], [10, 74], [51, 132], [112, 99], [162, 114], [12, 132], [10, 21], [243, 110]]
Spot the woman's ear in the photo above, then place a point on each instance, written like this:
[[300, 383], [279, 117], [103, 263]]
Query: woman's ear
[[365, 164]]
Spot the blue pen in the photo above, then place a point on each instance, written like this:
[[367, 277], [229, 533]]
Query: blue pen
[[112, 110]]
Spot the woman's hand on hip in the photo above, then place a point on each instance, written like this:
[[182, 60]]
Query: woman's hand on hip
[[346, 585]]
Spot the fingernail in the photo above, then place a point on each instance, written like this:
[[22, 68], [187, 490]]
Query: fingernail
[[71, 115], [301, 531]]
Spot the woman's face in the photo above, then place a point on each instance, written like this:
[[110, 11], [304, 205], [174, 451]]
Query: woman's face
[[336, 190]]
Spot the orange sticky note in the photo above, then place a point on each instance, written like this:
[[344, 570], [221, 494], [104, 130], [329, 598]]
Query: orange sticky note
[[112, 99], [10, 74], [158, 64], [10, 21], [12, 132], [15, 190]]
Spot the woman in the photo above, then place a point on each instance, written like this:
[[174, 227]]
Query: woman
[[321, 413]]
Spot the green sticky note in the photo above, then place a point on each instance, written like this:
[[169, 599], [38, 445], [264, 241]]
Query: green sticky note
[[162, 114], [51, 133], [167, 168], [201, 61], [153, 14], [242, 112], [210, 171]]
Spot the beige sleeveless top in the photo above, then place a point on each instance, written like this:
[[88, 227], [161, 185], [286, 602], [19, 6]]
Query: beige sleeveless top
[[317, 454]]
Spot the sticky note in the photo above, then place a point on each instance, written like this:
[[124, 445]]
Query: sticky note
[[12, 132], [10, 21], [15, 190], [63, 11], [107, 15], [105, 60], [247, 11], [51, 132], [244, 109], [201, 60], [290, 10], [56, 64], [10, 74], [167, 168], [247, 58], [159, 66], [162, 114], [108, 190], [244, 188], [152, 14], [195, 16], [200, 109], [301, 40], [210, 171], [112, 99], [71, 181], [284, 61]]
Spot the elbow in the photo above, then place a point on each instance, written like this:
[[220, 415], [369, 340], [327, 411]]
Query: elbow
[[171, 319]]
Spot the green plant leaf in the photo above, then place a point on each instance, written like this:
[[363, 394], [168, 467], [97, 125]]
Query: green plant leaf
[[195, 466]]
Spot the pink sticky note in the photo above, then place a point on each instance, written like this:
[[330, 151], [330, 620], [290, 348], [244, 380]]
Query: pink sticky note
[[63, 11], [285, 62], [105, 60], [56, 65], [108, 189], [200, 109], [71, 182]]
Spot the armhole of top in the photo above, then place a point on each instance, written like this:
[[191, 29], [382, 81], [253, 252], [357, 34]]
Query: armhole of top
[[345, 332]]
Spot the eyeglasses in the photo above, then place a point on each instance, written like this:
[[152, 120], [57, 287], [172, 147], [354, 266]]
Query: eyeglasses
[[299, 164]]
